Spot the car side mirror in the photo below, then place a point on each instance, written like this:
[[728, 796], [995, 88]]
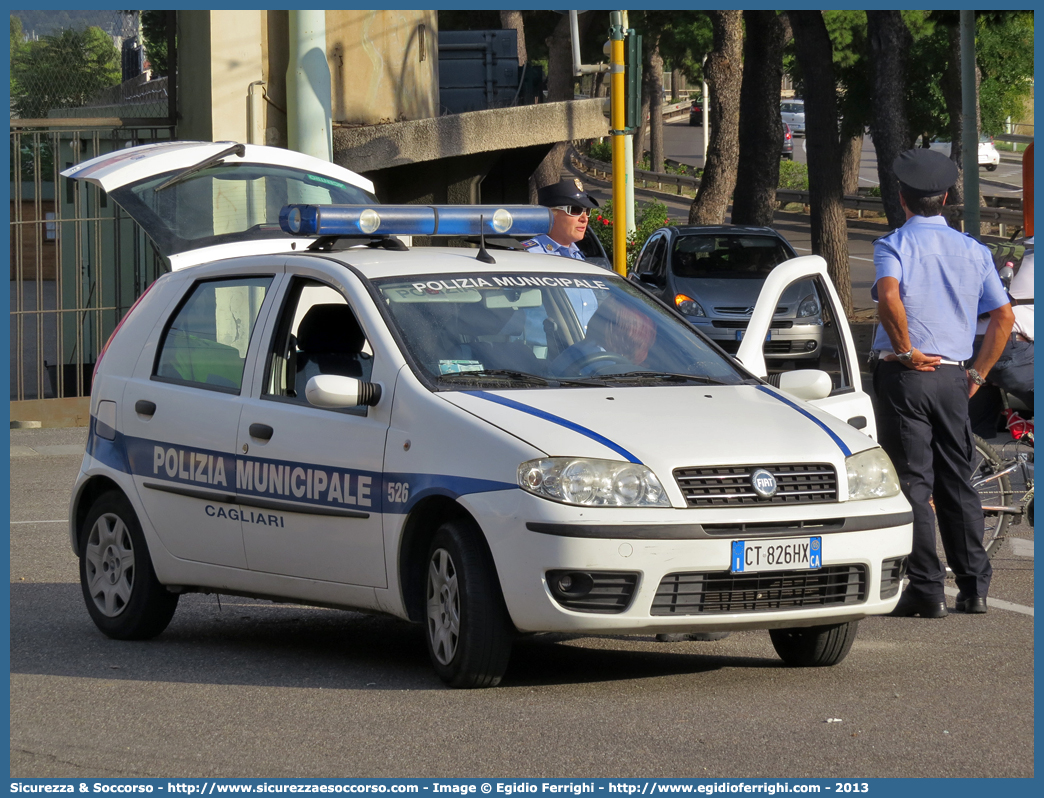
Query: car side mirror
[[1007, 274], [333, 390], [650, 278], [806, 384]]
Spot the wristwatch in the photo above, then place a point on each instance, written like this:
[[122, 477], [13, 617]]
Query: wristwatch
[[905, 357], [976, 377]]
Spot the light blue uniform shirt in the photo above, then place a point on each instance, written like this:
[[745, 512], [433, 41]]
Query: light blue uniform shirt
[[946, 279], [548, 246]]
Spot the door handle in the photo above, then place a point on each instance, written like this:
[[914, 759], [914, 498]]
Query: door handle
[[262, 432], [145, 407]]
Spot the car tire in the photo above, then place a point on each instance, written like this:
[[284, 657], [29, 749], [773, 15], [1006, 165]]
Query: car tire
[[123, 596], [991, 167], [814, 646], [467, 628]]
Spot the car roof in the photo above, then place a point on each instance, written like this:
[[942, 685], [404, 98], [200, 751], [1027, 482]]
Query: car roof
[[377, 263], [722, 230]]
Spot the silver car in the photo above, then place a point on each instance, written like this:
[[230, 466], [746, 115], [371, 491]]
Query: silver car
[[713, 274], [793, 113]]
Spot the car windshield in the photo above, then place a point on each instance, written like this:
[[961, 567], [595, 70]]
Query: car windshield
[[793, 108], [228, 202], [731, 256], [530, 330]]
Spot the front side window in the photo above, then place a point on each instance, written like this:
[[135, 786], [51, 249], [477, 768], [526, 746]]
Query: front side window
[[553, 330], [318, 333], [206, 342]]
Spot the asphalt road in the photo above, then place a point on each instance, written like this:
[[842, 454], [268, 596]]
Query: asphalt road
[[238, 688], [682, 142]]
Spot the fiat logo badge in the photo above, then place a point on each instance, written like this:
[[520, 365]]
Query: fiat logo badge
[[764, 483]]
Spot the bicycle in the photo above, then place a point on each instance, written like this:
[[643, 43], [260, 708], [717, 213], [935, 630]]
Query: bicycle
[[992, 479]]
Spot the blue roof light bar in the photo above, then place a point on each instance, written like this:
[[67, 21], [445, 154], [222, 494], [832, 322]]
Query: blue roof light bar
[[414, 220]]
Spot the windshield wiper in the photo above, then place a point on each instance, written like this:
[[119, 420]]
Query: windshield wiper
[[519, 376], [496, 374], [235, 149], [661, 376]]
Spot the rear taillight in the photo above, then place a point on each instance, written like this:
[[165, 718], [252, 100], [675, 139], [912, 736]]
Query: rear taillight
[[126, 316]]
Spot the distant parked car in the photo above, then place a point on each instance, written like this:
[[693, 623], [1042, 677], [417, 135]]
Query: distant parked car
[[713, 275], [988, 155], [788, 143], [793, 113], [696, 113]]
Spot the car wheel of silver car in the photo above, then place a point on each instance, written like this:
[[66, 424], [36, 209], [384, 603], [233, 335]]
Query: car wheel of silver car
[[814, 646], [469, 634], [123, 596]]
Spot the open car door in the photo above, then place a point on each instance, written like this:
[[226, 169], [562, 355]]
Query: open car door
[[846, 398]]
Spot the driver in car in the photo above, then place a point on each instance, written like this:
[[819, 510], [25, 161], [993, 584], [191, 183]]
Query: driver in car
[[616, 335]]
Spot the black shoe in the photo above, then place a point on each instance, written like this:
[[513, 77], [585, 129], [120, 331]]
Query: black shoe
[[910, 605], [972, 605]]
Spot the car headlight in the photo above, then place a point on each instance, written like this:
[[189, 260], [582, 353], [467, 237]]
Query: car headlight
[[688, 306], [809, 306], [871, 475], [592, 483]]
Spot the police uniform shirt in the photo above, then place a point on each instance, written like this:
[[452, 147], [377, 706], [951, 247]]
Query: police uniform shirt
[[548, 246], [946, 280]]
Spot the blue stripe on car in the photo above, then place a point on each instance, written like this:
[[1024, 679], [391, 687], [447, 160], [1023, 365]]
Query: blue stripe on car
[[833, 435], [500, 400]]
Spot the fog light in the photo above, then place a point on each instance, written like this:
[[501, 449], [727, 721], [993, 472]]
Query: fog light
[[569, 584], [565, 582], [810, 346]]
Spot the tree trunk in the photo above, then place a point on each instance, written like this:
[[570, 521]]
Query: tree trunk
[[890, 40], [676, 79], [851, 157], [760, 128], [724, 70], [655, 104], [815, 53], [559, 89], [513, 20]]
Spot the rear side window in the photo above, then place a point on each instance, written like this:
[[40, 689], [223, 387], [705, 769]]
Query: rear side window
[[206, 342]]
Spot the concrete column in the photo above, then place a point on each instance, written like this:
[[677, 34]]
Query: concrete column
[[308, 86]]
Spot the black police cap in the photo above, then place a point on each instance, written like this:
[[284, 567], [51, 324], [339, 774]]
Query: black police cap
[[569, 191], [925, 173]]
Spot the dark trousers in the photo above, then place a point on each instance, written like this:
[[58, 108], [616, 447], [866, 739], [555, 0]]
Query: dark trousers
[[922, 421], [1013, 372]]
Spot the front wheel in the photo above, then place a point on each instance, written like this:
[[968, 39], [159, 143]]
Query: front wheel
[[814, 646], [123, 596], [991, 167], [469, 633], [994, 489]]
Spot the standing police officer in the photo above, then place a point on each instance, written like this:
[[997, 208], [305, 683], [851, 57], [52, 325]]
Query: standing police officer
[[570, 206], [932, 283]]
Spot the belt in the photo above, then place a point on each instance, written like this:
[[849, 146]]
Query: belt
[[889, 356]]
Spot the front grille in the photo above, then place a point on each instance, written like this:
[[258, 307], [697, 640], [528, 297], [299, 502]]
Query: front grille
[[817, 527], [799, 483], [770, 347], [892, 572], [724, 592], [742, 325], [745, 310], [601, 591]]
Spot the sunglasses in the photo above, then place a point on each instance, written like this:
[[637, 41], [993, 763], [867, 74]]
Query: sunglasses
[[572, 210]]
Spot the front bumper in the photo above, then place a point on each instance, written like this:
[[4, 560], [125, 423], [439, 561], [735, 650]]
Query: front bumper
[[798, 341], [524, 557]]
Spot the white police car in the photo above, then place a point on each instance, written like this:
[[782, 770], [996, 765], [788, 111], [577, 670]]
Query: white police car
[[487, 443]]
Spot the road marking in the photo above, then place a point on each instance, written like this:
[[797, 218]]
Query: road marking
[[1021, 547], [54, 521], [850, 257], [999, 604]]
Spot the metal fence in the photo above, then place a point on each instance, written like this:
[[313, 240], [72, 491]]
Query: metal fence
[[86, 64], [77, 261]]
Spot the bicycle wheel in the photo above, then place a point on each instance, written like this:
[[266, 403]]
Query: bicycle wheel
[[994, 490]]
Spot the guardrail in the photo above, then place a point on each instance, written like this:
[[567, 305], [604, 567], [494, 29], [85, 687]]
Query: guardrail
[[1003, 217]]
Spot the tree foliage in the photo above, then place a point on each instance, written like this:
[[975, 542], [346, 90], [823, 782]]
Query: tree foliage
[[64, 70]]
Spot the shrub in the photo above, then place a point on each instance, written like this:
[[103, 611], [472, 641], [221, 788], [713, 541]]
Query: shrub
[[601, 151], [793, 175], [650, 217]]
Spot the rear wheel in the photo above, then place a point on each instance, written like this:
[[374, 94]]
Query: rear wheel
[[814, 646], [995, 491], [469, 633], [123, 596]]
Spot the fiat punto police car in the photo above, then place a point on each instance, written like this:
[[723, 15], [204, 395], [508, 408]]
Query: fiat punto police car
[[309, 408]]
